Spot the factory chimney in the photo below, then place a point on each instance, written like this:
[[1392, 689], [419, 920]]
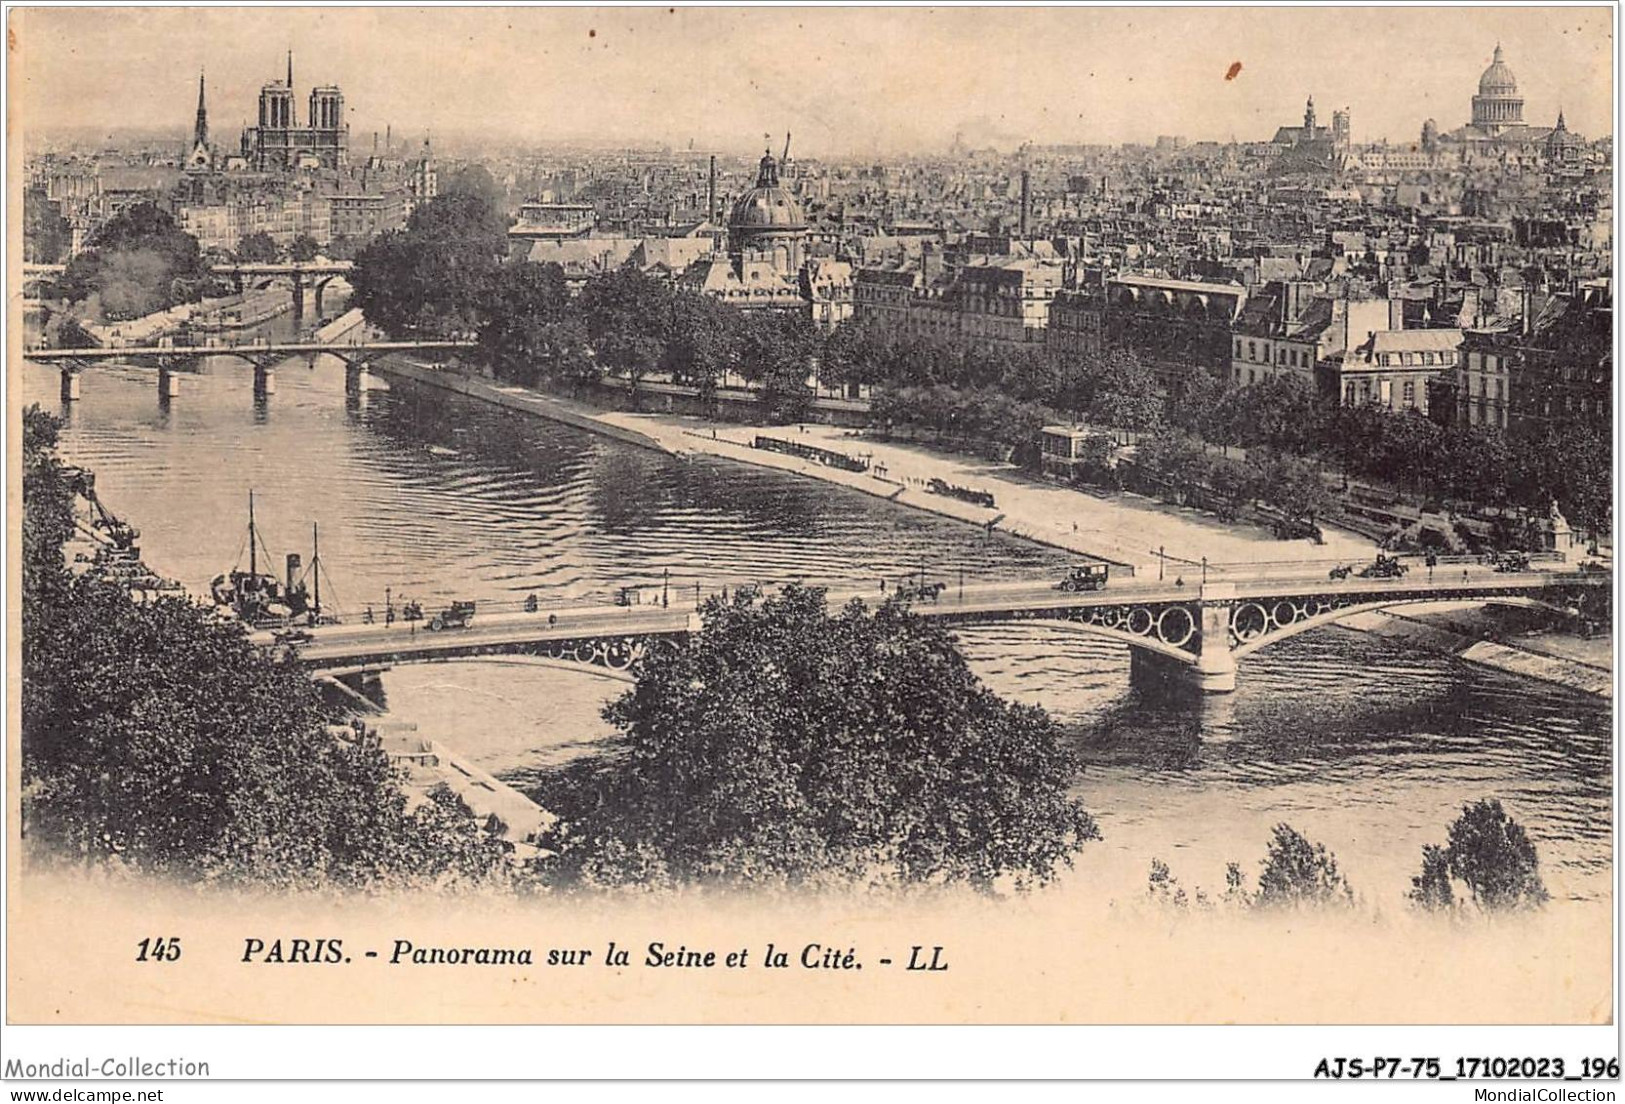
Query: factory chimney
[[1026, 202]]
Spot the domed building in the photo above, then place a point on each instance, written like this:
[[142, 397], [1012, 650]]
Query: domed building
[[1498, 129], [1497, 105], [767, 223]]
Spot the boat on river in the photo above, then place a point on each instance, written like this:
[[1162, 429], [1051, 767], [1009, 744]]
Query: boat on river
[[264, 601]]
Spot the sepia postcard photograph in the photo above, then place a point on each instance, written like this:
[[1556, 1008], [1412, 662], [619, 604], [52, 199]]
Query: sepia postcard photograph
[[882, 515]]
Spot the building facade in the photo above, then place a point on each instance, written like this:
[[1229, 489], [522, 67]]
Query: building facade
[[279, 144]]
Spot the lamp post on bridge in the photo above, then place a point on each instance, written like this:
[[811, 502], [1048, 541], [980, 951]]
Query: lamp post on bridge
[[1162, 561], [665, 588], [1204, 571]]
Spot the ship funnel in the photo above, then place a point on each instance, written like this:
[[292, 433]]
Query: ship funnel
[[293, 570]]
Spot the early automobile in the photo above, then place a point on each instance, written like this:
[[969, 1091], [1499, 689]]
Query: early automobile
[[1341, 571], [458, 615], [1512, 561], [1091, 576], [1384, 567], [1593, 567], [292, 637]]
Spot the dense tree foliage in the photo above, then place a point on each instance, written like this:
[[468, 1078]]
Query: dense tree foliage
[[783, 744], [1298, 872], [528, 332], [258, 248], [158, 737], [1490, 854], [47, 236], [138, 263], [475, 181], [304, 248], [435, 276]]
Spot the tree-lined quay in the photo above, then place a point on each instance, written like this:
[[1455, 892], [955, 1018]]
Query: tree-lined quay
[[445, 274]]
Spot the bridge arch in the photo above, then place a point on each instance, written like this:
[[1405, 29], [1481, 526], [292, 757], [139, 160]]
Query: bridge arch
[[1145, 642], [1273, 631]]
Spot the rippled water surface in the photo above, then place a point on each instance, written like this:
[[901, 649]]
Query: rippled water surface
[[1354, 740]]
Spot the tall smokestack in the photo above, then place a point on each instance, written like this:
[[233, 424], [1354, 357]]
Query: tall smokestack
[[1026, 200], [711, 192]]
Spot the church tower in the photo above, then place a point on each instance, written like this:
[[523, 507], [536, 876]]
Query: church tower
[[200, 159]]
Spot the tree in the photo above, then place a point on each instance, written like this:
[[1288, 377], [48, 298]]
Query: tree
[[304, 248], [1125, 394], [433, 276], [701, 342], [528, 331], [1489, 853], [139, 262], [777, 350], [475, 181], [47, 236], [784, 744], [258, 248], [626, 313], [159, 738], [1297, 872]]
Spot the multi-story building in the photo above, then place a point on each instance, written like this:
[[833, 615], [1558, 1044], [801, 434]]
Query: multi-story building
[[1077, 322], [364, 214], [1005, 301], [222, 222], [1175, 327], [1551, 367], [1391, 368], [1289, 327]]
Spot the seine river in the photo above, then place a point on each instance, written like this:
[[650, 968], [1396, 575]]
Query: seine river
[[1355, 741]]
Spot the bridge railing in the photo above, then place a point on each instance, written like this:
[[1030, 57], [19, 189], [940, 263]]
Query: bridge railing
[[1329, 562]]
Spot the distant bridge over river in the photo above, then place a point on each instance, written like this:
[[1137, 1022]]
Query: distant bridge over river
[[168, 358]]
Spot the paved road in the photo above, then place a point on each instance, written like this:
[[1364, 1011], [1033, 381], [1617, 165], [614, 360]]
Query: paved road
[[493, 630]]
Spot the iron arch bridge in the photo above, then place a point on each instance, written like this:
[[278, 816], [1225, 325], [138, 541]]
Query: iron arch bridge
[[1198, 637]]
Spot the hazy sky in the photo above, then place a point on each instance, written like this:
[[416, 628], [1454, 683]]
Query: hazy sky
[[844, 80]]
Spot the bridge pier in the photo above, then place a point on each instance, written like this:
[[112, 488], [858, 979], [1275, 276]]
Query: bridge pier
[[70, 385], [169, 383], [355, 378], [369, 683], [298, 299], [264, 380], [1215, 670]]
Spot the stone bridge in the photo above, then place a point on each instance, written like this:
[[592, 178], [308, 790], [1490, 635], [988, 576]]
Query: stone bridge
[[167, 357]]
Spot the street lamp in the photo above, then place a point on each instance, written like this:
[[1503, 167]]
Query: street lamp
[[665, 588], [1162, 561], [1204, 571]]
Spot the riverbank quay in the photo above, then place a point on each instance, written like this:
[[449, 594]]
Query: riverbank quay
[[1468, 632], [426, 763], [1134, 533], [1145, 538], [342, 326], [512, 397]]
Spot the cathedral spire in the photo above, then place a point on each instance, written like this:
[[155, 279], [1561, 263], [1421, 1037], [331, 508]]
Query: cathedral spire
[[200, 132]]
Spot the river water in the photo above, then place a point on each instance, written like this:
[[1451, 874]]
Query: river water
[[1356, 741]]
